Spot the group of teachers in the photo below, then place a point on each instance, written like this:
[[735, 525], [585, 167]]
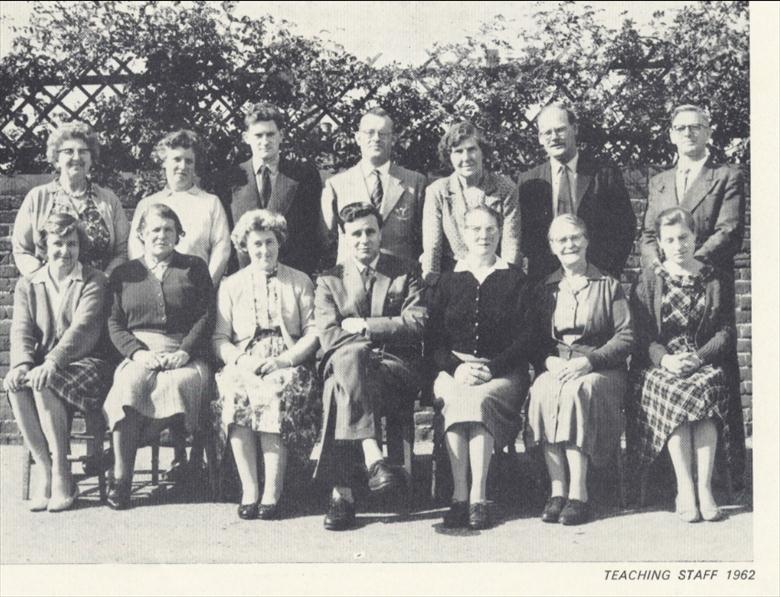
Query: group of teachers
[[499, 298]]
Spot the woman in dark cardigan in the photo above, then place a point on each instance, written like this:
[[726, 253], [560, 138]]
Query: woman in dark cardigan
[[582, 337], [476, 340], [683, 324], [161, 320]]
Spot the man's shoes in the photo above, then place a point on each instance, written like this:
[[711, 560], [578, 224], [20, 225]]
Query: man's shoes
[[119, 496], [479, 516], [178, 472], [383, 476], [248, 511], [553, 508], [269, 512], [457, 517], [575, 512], [340, 516]]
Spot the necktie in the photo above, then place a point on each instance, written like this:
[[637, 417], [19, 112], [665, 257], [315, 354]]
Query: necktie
[[685, 174], [368, 279], [565, 205], [376, 191], [265, 186]]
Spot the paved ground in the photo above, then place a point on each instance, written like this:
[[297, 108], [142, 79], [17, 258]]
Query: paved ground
[[158, 529]]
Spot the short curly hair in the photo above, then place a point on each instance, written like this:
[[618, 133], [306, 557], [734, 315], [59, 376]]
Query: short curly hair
[[61, 224], [355, 211], [672, 216], [457, 134], [263, 112], [575, 221], [183, 138], [258, 220], [487, 210], [163, 211], [68, 131]]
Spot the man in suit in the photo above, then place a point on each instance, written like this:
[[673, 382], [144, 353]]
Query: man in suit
[[396, 192], [715, 195], [570, 182], [370, 316], [271, 181]]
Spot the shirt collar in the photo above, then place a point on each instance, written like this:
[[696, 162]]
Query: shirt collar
[[571, 164], [367, 168], [41, 275], [163, 262], [273, 166], [591, 273], [685, 163], [193, 190], [361, 267], [462, 265]]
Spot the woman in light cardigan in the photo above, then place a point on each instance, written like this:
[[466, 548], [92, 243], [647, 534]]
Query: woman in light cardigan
[[266, 337]]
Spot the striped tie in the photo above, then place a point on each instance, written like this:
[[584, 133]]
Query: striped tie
[[376, 191]]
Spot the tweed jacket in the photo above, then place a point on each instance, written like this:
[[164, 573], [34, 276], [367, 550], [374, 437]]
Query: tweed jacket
[[74, 332]]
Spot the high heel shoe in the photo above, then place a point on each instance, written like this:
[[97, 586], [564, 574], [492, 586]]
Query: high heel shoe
[[688, 513]]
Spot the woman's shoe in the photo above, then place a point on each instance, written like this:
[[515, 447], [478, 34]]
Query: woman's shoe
[[119, 495], [711, 514], [457, 517], [39, 504], [248, 511], [62, 503], [479, 516], [269, 512], [687, 513]]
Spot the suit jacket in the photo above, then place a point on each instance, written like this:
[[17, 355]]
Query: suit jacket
[[716, 199], [394, 313], [715, 335], [603, 204], [74, 332], [608, 337], [402, 207], [236, 322], [295, 195]]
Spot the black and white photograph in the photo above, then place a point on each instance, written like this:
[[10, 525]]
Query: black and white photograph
[[384, 298]]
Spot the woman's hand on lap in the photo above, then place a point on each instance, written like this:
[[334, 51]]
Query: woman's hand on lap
[[147, 359], [15, 379], [39, 377]]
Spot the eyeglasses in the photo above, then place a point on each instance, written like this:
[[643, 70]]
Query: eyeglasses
[[558, 132], [694, 128], [374, 133], [561, 240], [70, 151]]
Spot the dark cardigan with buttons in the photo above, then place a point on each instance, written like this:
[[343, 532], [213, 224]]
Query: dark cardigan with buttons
[[183, 303], [482, 320]]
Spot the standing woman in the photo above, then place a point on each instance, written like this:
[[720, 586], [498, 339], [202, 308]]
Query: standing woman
[[58, 322], [447, 200], [683, 314], [160, 321], [476, 338], [265, 335], [582, 338], [71, 149]]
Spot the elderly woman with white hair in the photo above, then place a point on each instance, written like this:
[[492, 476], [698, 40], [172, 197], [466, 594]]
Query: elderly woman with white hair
[[582, 334], [266, 337]]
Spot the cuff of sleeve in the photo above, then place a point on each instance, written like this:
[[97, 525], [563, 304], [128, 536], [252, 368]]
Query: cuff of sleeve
[[656, 353], [597, 362]]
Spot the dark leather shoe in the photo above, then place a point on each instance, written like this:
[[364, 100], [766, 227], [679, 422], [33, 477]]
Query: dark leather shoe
[[248, 511], [575, 512], [118, 497], [383, 476], [457, 517], [552, 509], [177, 472], [479, 516], [340, 516], [269, 512]]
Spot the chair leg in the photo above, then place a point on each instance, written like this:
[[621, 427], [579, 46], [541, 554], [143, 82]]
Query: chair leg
[[155, 463], [26, 466]]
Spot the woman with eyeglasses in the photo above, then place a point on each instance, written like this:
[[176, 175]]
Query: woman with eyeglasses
[[72, 149], [463, 148], [582, 335]]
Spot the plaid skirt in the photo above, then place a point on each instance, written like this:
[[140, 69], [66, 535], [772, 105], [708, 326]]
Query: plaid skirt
[[82, 384], [666, 401]]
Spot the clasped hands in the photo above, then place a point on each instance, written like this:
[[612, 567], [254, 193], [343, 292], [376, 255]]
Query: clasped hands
[[682, 364], [354, 325], [23, 376], [567, 370], [161, 361], [472, 374], [261, 366]]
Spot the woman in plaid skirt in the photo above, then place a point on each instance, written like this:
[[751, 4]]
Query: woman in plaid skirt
[[682, 394], [59, 316]]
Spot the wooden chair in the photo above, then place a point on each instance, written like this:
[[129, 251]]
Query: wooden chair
[[93, 434]]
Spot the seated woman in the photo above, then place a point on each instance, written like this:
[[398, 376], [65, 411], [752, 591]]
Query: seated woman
[[266, 337], [463, 148], [160, 322], [59, 317], [582, 338], [682, 320], [476, 339]]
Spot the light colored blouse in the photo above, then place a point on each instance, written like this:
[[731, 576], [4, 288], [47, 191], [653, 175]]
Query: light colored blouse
[[571, 308], [206, 230], [38, 206]]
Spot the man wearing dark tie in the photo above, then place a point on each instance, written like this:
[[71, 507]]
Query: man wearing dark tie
[[714, 194], [396, 192], [272, 181], [572, 182], [370, 316]]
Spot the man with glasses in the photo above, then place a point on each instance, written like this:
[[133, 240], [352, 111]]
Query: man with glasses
[[571, 182], [396, 192], [714, 194]]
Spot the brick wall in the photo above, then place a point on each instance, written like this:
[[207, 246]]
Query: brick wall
[[13, 190]]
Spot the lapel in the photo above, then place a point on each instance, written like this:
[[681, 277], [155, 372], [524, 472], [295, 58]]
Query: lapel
[[245, 197], [393, 192], [585, 175], [379, 292], [283, 193], [658, 293], [667, 189], [356, 299], [288, 302], [545, 175], [700, 188]]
